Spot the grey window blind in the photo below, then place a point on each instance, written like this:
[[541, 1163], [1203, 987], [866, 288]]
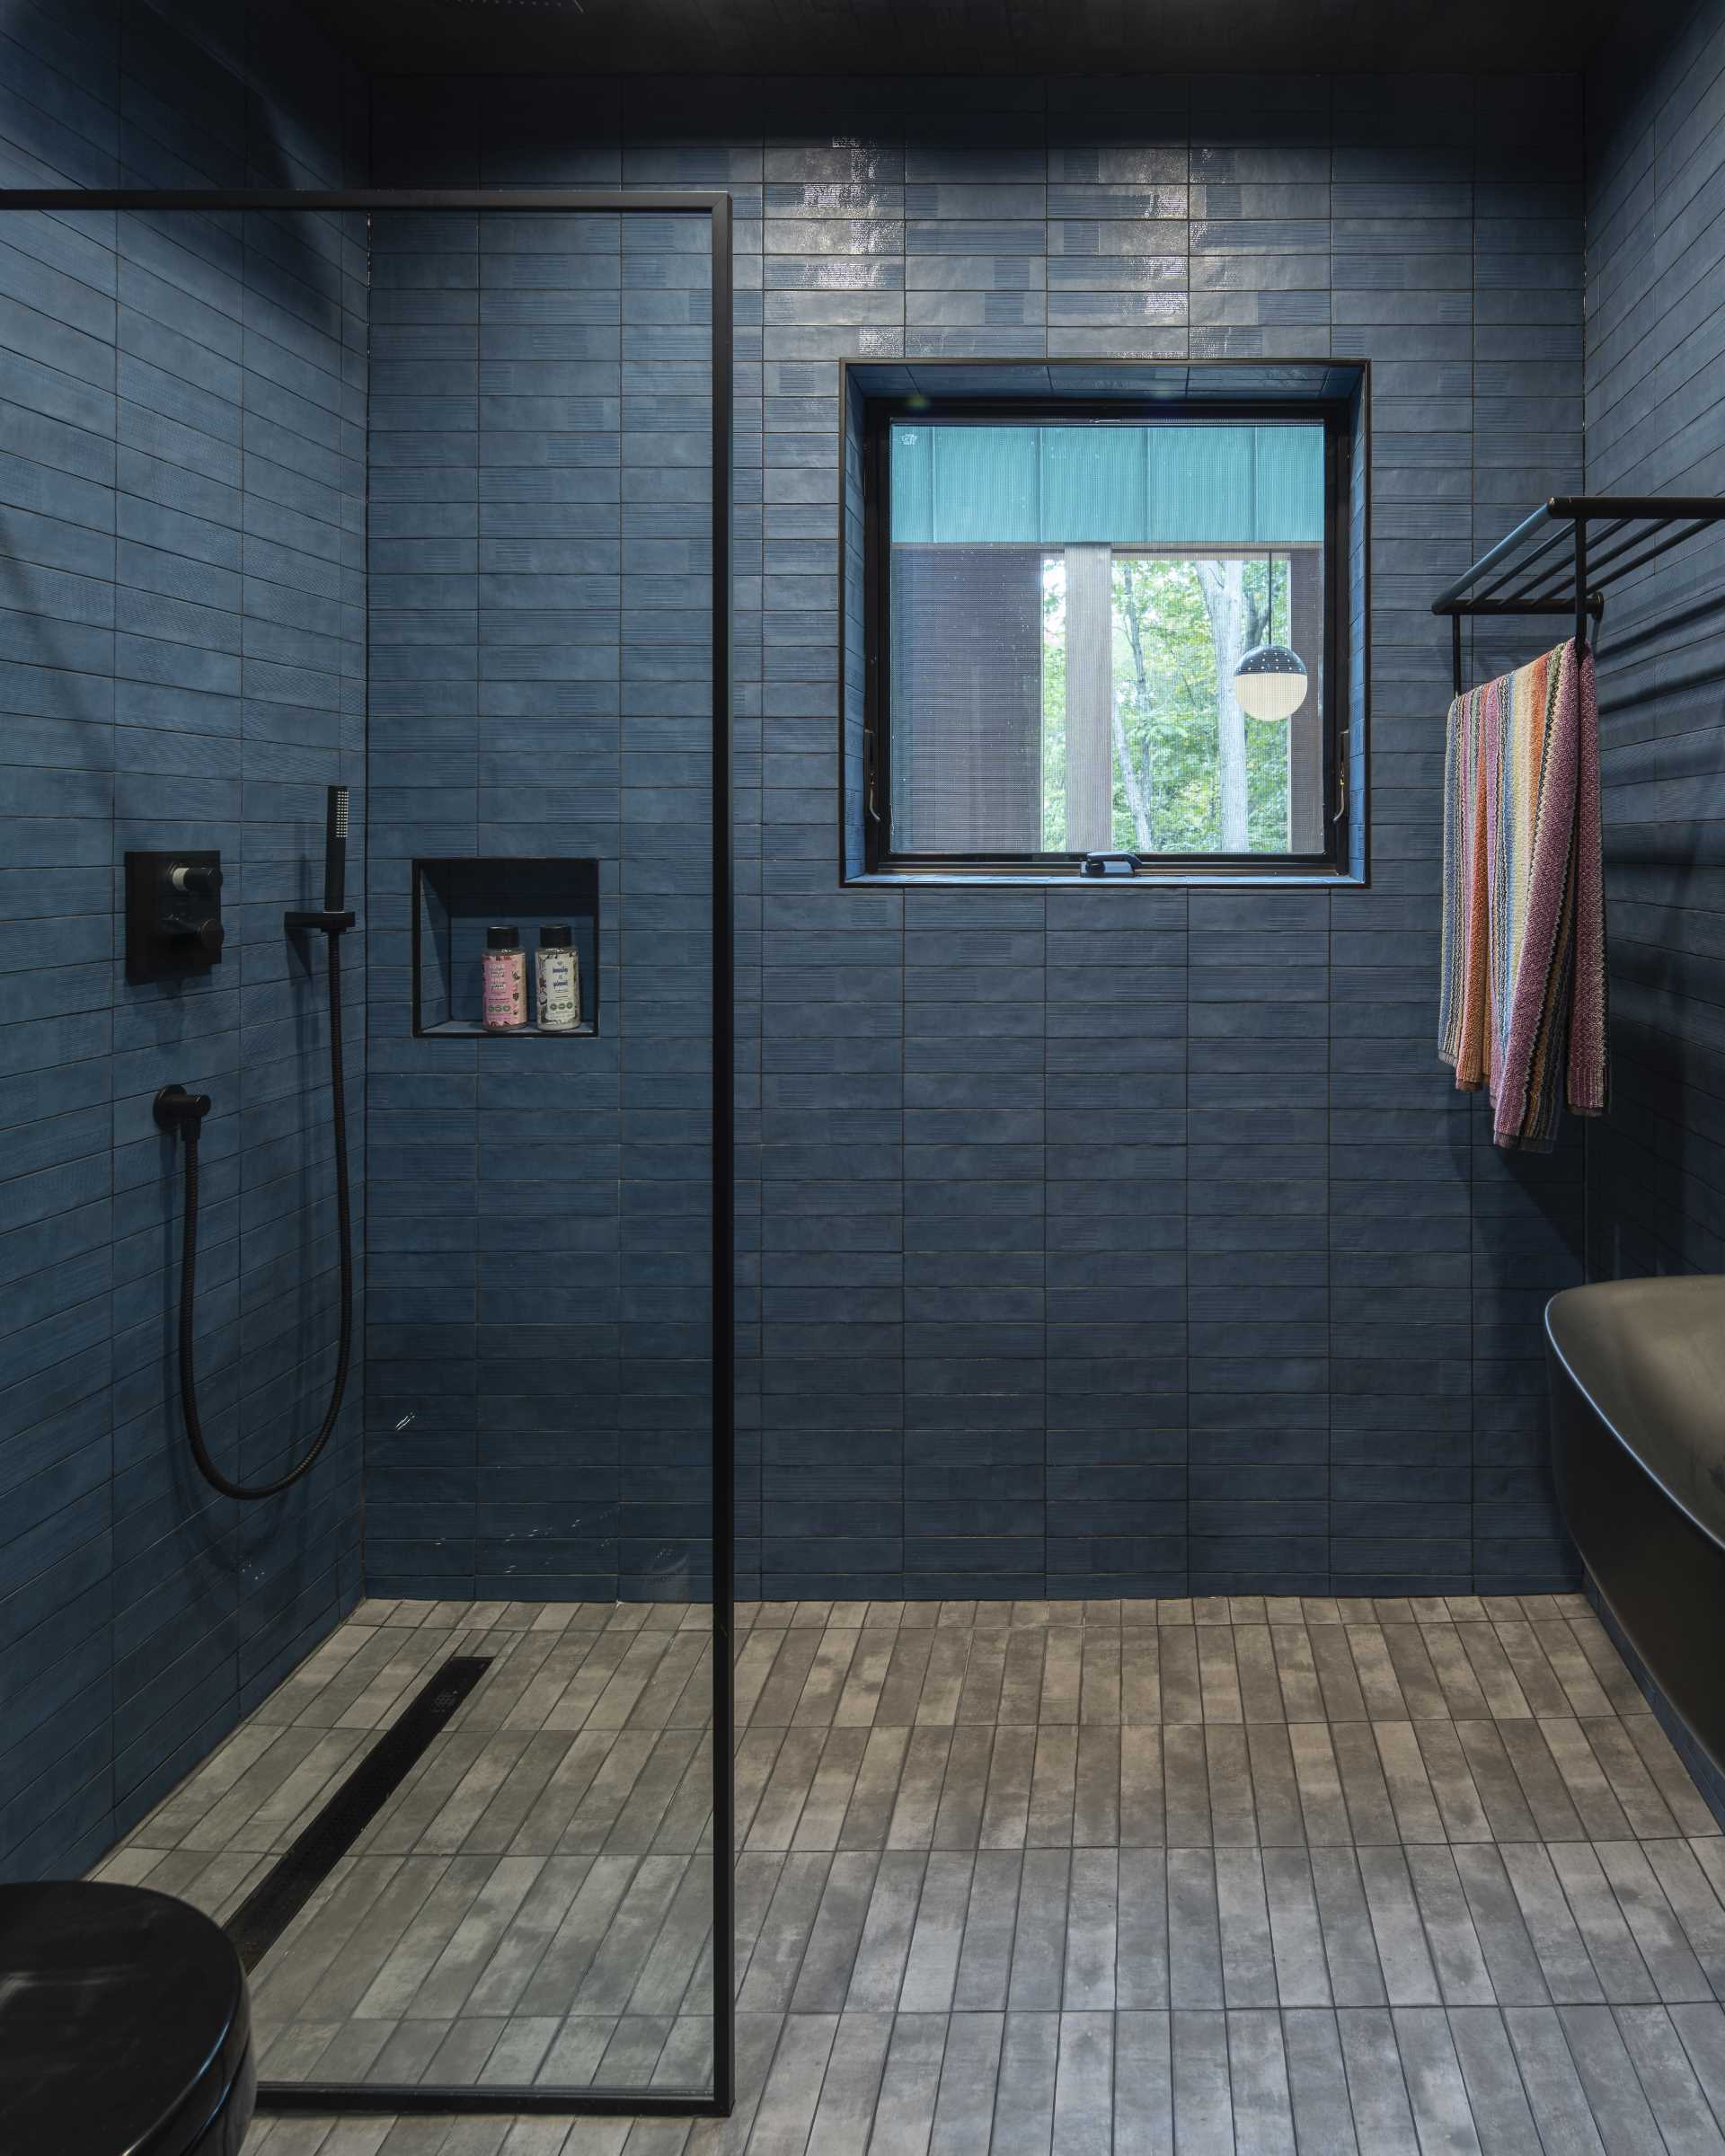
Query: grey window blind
[[967, 699]]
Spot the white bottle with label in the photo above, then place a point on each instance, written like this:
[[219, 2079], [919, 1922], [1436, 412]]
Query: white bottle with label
[[557, 967]]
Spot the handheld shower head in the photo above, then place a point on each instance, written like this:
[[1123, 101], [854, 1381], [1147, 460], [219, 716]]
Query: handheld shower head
[[332, 916], [335, 850]]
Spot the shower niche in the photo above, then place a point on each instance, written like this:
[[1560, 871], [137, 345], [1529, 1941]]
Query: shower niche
[[456, 902]]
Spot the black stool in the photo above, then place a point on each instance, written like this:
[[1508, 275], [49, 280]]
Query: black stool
[[125, 2029]]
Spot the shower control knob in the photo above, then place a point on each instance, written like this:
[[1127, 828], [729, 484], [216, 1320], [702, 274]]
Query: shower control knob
[[196, 879], [206, 936]]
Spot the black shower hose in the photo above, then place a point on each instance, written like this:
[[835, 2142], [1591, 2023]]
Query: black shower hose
[[302, 1467]]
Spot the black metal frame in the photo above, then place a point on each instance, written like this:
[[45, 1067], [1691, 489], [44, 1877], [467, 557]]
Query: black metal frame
[[419, 2097], [1333, 414], [1569, 582]]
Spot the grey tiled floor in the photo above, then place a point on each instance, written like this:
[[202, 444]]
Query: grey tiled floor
[[1379, 1878]]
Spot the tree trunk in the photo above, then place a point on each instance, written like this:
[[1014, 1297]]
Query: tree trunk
[[1137, 797], [1138, 787], [1223, 587]]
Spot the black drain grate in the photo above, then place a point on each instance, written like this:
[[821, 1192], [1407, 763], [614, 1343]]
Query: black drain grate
[[298, 1873]]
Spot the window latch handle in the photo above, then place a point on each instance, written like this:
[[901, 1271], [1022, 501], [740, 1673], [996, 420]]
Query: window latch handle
[[1109, 864]]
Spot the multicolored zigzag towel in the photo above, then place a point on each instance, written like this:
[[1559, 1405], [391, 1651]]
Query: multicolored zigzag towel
[[1523, 1007]]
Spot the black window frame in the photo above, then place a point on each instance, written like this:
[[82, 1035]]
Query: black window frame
[[1337, 416]]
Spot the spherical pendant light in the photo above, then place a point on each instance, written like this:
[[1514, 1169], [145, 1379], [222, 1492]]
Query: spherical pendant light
[[1271, 682]]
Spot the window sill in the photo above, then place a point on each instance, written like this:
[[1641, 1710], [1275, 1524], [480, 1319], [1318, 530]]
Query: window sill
[[1146, 880]]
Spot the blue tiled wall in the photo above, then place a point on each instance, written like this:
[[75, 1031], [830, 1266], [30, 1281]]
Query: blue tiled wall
[[182, 440], [541, 559], [1656, 249], [1103, 1242], [1092, 1242]]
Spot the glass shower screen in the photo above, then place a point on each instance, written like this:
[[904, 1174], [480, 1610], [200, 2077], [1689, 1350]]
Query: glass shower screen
[[427, 495], [543, 696]]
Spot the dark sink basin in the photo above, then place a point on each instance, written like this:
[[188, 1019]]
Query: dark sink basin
[[1637, 1375]]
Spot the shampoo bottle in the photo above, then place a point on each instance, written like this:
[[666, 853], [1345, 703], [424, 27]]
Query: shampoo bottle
[[559, 969], [504, 968]]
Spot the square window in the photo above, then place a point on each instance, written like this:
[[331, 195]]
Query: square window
[[1114, 628]]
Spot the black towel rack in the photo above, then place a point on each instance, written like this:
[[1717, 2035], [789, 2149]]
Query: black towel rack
[[1555, 562]]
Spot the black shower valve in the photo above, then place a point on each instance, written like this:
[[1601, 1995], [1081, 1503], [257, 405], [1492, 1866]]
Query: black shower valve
[[174, 913]]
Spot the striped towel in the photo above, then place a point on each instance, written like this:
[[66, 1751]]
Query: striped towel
[[1523, 1007]]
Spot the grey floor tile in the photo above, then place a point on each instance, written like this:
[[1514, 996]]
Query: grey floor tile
[[1372, 1819], [1296, 1935], [1403, 1954], [1260, 1876], [1092, 1931], [1694, 1903], [1083, 2089], [1668, 2080], [918, 1800], [904, 2110], [1141, 1976], [1454, 1944], [885, 1944], [1553, 2089], [1040, 1938], [1376, 2090], [1687, 1807], [1234, 1814], [984, 1976], [1317, 1775], [1614, 2089], [1512, 1963], [1024, 2095], [1436, 2091], [843, 2118], [958, 1819], [1007, 1800], [757, 2036], [870, 1812], [1262, 2101], [964, 2107], [1563, 1960], [788, 2102], [1653, 1926], [1317, 2082], [1144, 1812], [1623, 1975], [1203, 2097], [1194, 1934], [932, 1965], [1499, 2101], [1275, 1786], [1144, 2089], [822, 1973], [799, 1900], [1248, 1956], [563, 1967], [1344, 1914]]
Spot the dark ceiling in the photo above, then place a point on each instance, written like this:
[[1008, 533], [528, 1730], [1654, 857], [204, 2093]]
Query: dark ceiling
[[964, 37]]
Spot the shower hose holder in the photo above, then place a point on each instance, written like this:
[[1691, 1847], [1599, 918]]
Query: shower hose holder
[[175, 1109]]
